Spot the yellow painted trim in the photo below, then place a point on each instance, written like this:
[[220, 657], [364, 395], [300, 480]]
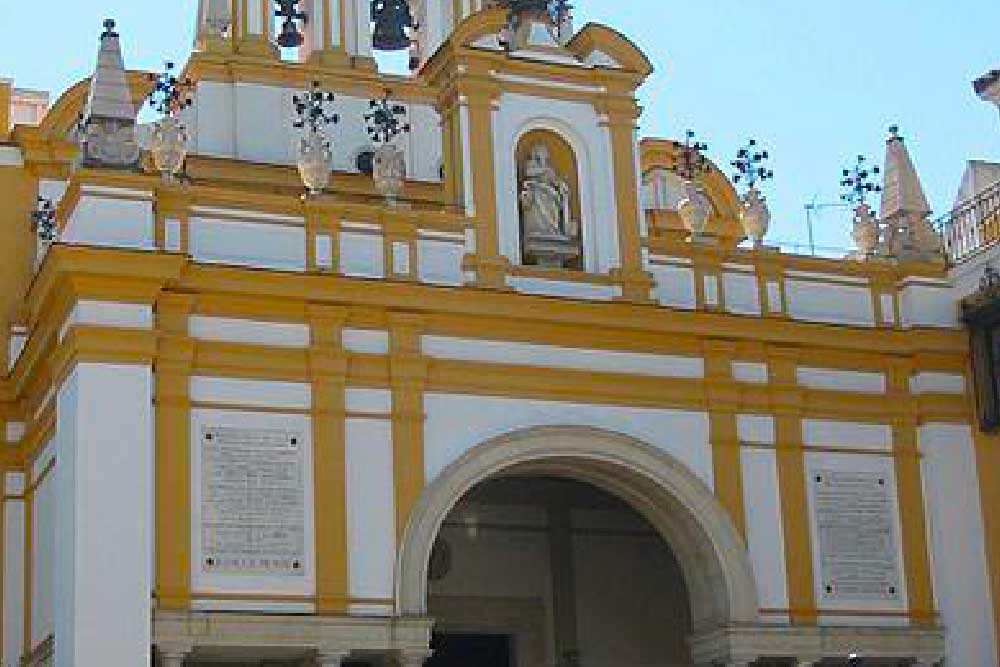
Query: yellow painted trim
[[408, 375], [792, 487], [175, 355], [721, 398], [6, 95], [328, 370], [910, 493]]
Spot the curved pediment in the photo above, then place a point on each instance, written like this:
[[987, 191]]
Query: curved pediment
[[63, 116], [601, 46], [662, 154]]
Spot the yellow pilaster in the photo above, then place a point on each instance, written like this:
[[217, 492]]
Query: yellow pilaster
[[910, 492], [722, 397], [988, 468], [786, 397], [6, 99], [491, 268], [173, 453], [408, 376], [622, 120], [328, 369]]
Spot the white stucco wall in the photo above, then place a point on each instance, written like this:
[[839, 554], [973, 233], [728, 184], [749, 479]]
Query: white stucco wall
[[226, 122], [456, 423], [104, 499], [111, 217], [955, 531]]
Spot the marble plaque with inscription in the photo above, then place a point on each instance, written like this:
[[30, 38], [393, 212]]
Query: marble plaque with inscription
[[855, 522], [252, 501]]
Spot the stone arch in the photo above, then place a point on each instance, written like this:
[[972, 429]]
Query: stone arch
[[677, 504]]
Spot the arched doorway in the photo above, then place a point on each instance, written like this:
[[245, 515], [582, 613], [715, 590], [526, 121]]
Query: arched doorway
[[695, 555], [537, 570]]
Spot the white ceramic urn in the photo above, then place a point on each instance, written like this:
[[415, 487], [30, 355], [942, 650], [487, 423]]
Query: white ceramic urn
[[169, 146], [865, 231], [695, 210], [755, 216], [315, 161]]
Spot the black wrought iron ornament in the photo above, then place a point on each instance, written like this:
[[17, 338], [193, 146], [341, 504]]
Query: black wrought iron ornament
[[170, 94], [291, 36], [386, 120], [750, 165], [314, 109], [392, 19], [43, 220], [689, 159], [858, 182]]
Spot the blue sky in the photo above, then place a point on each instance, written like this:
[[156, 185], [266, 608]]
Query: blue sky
[[817, 82]]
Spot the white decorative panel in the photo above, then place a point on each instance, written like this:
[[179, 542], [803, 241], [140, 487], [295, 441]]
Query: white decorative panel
[[362, 255], [846, 435], [371, 516], [838, 380], [674, 286], [550, 356], [742, 295], [365, 341], [440, 262], [752, 372], [858, 558], [252, 503], [243, 243], [457, 423], [275, 334], [826, 302], [765, 532]]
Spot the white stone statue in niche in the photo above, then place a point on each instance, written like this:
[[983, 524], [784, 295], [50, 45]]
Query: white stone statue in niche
[[551, 235]]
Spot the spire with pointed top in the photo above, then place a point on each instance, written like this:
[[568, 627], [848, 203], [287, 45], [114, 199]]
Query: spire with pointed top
[[108, 123], [907, 232]]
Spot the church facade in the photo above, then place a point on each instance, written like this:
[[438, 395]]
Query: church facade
[[334, 367]]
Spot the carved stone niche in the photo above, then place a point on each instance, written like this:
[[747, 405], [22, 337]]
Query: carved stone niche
[[981, 313], [549, 202]]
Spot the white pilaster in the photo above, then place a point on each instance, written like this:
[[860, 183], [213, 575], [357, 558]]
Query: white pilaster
[[103, 480], [13, 569], [363, 29]]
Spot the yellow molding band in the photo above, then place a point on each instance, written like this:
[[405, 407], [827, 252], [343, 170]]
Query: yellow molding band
[[328, 370], [792, 489], [408, 376], [175, 355]]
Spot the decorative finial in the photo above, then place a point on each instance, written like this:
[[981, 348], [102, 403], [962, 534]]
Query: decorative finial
[[689, 159], [894, 134], [386, 121], [858, 182], [169, 95], [109, 28], [749, 165], [312, 109], [43, 220]]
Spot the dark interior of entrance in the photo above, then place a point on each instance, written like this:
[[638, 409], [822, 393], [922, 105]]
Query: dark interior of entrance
[[561, 573]]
